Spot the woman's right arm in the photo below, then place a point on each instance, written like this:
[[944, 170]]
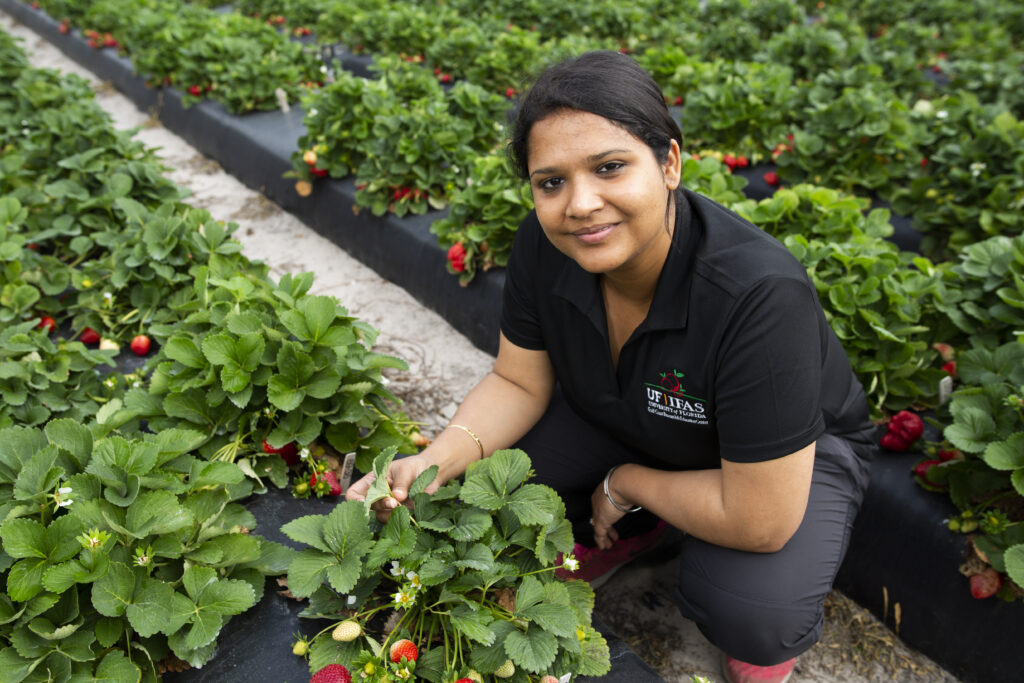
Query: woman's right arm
[[499, 410]]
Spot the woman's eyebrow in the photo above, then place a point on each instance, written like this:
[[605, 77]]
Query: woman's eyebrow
[[591, 159]]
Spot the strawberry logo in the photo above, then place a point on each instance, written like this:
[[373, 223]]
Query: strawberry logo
[[670, 382]]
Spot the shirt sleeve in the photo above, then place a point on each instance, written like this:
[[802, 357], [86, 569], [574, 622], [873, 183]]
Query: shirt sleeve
[[520, 322], [769, 376]]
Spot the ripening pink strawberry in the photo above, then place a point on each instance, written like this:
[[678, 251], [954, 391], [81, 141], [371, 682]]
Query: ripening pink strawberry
[[771, 177]]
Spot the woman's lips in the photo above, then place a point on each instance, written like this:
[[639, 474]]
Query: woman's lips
[[595, 233]]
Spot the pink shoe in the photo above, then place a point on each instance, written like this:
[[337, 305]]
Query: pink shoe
[[595, 563], [736, 671]]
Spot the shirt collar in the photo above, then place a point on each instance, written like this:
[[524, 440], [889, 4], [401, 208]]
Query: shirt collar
[[670, 305]]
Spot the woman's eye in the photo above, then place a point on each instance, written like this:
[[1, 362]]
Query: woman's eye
[[549, 184], [610, 167]]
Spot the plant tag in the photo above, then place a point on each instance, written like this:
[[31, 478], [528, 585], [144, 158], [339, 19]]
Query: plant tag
[[347, 465], [945, 389]]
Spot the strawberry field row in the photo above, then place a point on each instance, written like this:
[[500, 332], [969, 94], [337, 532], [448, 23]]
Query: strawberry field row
[[123, 537]]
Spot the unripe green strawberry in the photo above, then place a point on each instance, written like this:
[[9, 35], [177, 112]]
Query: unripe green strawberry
[[300, 648], [506, 670], [347, 631]]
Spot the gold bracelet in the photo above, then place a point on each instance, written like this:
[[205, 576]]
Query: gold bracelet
[[475, 437]]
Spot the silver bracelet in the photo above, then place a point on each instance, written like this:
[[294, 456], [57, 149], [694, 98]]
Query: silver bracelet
[[608, 494]]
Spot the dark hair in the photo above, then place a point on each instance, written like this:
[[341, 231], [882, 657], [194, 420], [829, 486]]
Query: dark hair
[[606, 83]]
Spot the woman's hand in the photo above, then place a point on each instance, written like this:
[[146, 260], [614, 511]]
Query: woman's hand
[[604, 515], [401, 475]]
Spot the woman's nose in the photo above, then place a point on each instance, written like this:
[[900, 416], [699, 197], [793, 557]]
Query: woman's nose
[[584, 199]]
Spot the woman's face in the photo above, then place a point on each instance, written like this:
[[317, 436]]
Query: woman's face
[[601, 194]]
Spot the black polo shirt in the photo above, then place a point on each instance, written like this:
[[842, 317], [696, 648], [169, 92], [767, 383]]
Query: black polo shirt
[[734, 360]]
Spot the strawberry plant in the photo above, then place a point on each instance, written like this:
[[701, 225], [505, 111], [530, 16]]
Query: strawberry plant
[[990, 276], [850, 133], [256, 361], [971, 188], [881, 305], [986, 481], [462, 582], [483, 217], [118, 552]]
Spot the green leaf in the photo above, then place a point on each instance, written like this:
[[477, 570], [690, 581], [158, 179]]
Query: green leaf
[[307, 571], [117, 668], [1014, 559], [379, 489], [534, 650], [112, 593], [473, 623], [470, 525], [489, 658], [182, 349], [24, 538], [13, 667], [308, 530], [148, 612], [530, 504], [490, 484], [156, 512], [1006, 455], [346, 530], [73, 437], [108, 630]]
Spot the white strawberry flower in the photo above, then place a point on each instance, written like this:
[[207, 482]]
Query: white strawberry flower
[[351, 600], [570, 563], [395, 569], [414, 580], [65, 503], [64, 490], [304, 454], [404, 599]]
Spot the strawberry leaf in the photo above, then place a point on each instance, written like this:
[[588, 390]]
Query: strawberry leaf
[[474, 623], [112, 594], [533, 650]]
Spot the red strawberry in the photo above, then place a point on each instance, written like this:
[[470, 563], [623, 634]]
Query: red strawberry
[[140, 345], [903, 430], [742, 161], [457, 257], [319, 172], [947, 455], [771, 177], [47, 323], [90, 336], [945, 350], [332, 673], [510, 92], [922, 468], [679, 100], [924, 162], [64, 28], [334, 488], [195, 90], [730, 161], [403, 648], [950, 367], [986, 584], [891, 442], [288, 452]]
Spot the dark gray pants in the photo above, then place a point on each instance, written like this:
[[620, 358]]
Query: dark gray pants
[[761, 608]]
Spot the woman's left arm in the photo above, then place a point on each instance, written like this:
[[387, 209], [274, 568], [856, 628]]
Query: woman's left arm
[[754, 506]]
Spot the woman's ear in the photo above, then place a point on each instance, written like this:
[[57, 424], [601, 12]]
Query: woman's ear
[[673, 166]]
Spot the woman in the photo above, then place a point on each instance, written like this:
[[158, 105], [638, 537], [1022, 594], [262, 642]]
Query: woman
[[659, 353]]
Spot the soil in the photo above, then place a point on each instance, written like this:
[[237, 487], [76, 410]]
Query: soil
[[443, 367]]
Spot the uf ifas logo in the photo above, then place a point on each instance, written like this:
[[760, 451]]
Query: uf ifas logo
[[669, 399]]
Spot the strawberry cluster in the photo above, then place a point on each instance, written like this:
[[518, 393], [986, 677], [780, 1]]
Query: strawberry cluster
[[442, 76], [734, 162], [903, 430], [400, 192], [310, 157], [97, 40], [457, 257]]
